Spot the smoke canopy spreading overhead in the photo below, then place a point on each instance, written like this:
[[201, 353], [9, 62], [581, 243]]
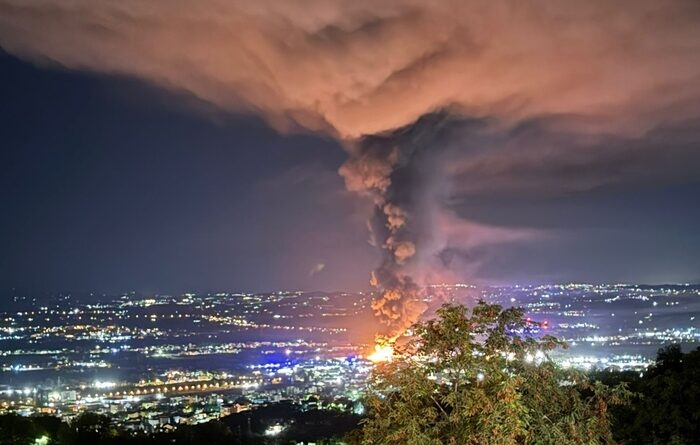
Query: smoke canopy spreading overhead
[[362, 67], [538, 97]]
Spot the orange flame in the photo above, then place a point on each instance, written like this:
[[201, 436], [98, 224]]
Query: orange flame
[[383, 352]]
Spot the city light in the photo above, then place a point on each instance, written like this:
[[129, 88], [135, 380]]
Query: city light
[[274, 430], [181, 370]]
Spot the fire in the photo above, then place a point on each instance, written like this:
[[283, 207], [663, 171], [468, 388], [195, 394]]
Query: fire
[[382, 353]]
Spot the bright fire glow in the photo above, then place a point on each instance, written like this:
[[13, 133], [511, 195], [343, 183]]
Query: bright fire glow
[[382, 353]]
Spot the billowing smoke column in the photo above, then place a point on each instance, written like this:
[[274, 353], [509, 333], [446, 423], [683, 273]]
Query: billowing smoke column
[[395, 170]]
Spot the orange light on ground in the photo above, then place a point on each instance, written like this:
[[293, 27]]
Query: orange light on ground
[[382, 353]]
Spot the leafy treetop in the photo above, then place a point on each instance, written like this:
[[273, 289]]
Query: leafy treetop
[[481, 376]]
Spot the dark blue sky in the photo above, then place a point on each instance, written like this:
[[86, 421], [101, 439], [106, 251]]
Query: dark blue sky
[[107, 184], [110, 184]]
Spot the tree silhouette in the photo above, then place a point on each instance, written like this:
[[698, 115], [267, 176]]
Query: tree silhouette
[[666, 409]]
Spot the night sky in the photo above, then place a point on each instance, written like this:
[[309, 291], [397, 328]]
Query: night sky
[[110, 184], [192, 171]]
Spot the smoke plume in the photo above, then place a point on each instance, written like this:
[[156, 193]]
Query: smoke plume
[[397, 171]]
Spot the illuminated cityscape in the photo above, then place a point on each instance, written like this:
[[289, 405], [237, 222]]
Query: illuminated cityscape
[[154, 362]]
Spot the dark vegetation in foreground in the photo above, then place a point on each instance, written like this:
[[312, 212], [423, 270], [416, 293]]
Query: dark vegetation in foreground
[[468, 377], [319, 426], [665, 407]]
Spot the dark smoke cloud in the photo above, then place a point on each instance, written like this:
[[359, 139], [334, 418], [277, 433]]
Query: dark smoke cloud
[[401, 172], [396, 170], [554, 156]]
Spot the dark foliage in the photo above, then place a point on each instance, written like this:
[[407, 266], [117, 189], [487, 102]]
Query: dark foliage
[[245, 428], [666, 409], [313, 425]]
